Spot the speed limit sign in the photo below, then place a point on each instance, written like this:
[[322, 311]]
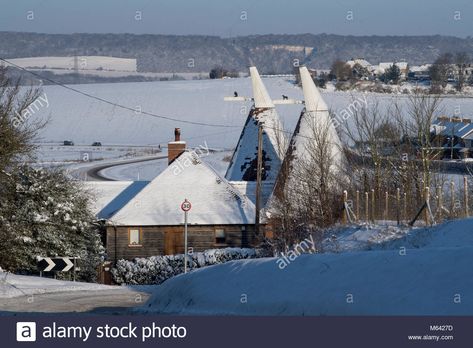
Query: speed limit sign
[[186, 205]]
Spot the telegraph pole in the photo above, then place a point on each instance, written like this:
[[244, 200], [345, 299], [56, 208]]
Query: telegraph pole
[[259, 170]]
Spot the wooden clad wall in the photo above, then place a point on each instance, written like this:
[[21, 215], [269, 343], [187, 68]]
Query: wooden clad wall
[[167, 240]]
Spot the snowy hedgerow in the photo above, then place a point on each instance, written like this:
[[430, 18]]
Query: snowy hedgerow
[[44, 213], [157, 269]]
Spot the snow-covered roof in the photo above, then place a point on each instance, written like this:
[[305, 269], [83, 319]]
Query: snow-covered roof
[[420, 68], [260, 94], [214, 200], [462, 128], [110, 196], [248, 188], [313, 122], [382, 67], [363, 62], [315, 114], [244, 160]]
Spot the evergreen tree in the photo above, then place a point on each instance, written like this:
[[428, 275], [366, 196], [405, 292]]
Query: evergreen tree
[[393, 74], [44, 213]]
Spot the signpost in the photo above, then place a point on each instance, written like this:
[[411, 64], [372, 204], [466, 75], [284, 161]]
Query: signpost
[[185, 206], [57, 264]]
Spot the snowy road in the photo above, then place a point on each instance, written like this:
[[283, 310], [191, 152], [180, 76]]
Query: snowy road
[[45, 295], [92, 171], [95, 301]]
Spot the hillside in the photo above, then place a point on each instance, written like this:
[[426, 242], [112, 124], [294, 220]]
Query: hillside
[[194, 53]]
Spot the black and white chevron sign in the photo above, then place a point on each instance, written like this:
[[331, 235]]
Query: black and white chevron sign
[[55, 264]]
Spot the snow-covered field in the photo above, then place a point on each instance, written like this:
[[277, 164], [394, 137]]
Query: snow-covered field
[[82, 63], [84, 120], [57, 155], [410, 272], [150, 169]]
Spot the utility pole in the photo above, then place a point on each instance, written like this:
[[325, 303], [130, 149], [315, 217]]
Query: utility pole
[[76, 68], [259, 170], [451, 142]]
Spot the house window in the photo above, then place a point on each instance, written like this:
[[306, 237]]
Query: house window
[[134, 237], [220, 236]]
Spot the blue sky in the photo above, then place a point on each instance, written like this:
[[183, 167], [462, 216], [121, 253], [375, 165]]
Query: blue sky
[[243, 17]]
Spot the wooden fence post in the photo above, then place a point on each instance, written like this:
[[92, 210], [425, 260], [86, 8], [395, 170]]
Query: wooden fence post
[[372, 206], [398, 205], [452, 198], [465, 195], [345, 212], [405, 207], [386, 205], [427, 201], [439, 203], [357, 205]]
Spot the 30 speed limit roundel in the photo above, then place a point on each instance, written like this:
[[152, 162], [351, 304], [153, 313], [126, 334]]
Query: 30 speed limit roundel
[[186, 205]]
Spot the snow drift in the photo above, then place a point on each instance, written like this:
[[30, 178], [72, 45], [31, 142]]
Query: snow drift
[[425, 272]]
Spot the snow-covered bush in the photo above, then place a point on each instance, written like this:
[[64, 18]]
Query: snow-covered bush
[[157, 269]]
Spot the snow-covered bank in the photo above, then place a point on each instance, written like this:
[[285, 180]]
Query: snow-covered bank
[[12, 285], [424, 272], [456, 233]]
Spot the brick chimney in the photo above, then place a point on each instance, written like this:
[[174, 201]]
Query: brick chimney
[[176, 147]]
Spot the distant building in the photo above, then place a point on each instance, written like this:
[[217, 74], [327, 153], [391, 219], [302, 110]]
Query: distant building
[[454, 135], [419, 72], [356, 63], [381, 68], [360, 61]]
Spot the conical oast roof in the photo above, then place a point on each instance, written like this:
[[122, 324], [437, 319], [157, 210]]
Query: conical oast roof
[[314, 121], [313, 125], [260, 94], [244, 160]]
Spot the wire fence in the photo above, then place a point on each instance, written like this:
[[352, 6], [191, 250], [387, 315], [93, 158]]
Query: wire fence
[[403, 207]]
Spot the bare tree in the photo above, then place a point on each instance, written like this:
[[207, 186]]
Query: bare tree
[[308, 193], [440, 71], [394, 148], [341, 71], [462, 59], [366, 147], [16, 135]]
